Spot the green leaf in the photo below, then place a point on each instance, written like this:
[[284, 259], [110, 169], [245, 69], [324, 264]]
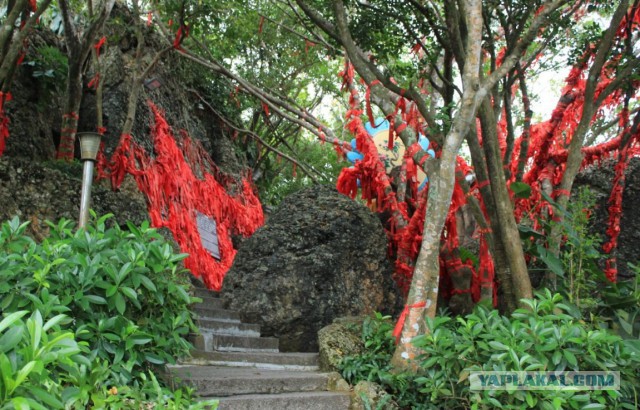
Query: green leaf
[[34, 324], [128, 292], [12, 318], [121, 305], [147, 283], [97, 300], [20, 403], [112, 290], [11, 338], [552, 261], [183, 294], [46, 397], [53, 321], [571, 358], [153, 358], [520, 190], [497, 345], [531, 401], [23, 373], [557, 403], [594, 406]]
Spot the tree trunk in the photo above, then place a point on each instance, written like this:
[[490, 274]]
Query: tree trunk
[[423, 294], [502, 268], [70, 117], [13, 45], [505, 223], [77, 51]]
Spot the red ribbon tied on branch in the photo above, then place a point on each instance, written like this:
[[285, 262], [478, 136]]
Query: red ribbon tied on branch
[[397, 331], [181, 34], [99, 45]]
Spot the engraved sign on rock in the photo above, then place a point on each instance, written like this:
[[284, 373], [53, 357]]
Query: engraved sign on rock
[[208, 234]]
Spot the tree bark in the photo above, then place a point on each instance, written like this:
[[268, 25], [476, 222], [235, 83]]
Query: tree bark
[[505, 224], [423, 294], [78, 49], [13, 45]]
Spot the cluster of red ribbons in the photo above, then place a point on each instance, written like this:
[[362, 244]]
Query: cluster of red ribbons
[[181, 181], [4, 121], [546, 156]]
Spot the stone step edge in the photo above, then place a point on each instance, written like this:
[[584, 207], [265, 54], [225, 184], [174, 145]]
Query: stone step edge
[[220, 327], [197, 361], [231, 343], [301, 399], [276, 361]]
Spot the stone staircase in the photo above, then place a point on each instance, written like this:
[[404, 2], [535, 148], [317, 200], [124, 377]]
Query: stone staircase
[[233, 363]]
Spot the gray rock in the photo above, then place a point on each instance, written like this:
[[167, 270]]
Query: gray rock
[[337, 340], [35, 111], [320, 256], [335, 382], [49, 191], [369, 395], [599, 180]]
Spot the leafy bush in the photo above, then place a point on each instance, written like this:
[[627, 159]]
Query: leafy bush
[[106, 307], [379, 346], [550, 336], [374, 364], [619, 308]]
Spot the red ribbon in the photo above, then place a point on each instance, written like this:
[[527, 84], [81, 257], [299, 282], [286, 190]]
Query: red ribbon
[[397, 331], [99, 45]]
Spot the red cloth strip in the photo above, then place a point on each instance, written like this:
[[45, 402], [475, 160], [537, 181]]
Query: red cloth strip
[[397, 331]]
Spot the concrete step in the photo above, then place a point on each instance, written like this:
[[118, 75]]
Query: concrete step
[[205, 293], [287, 401], [228, 343], [261, 360], [213, 381], [210, 303], [221, 315], [228, 328]]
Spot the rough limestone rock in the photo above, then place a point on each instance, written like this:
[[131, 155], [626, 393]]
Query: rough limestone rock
[[49, 191], [369, 395], [35, 111], [599, 180], [320, 256], [337, 340], [335, 382]]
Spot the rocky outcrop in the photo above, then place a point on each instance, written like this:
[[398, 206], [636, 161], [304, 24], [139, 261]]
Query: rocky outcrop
[[599, 181], [339, 339], [369, 395], [37, 192], [320, 256], [38, 90]]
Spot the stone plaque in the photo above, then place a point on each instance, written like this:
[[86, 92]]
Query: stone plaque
[[208, 234]]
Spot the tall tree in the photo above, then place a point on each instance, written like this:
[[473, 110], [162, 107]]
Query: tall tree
[[79, 40], [494, 46]]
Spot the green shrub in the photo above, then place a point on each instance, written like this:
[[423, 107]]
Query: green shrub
[[106, 307], [619, 308], [550, 336], [379, 346], [374, 364], [31, 356]]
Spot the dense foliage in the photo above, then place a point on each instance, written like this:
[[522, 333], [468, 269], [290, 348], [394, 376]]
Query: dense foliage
[[89, 316], [548, 336]]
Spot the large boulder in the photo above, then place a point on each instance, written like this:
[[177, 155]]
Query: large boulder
[[320, 256], [599, 181]]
